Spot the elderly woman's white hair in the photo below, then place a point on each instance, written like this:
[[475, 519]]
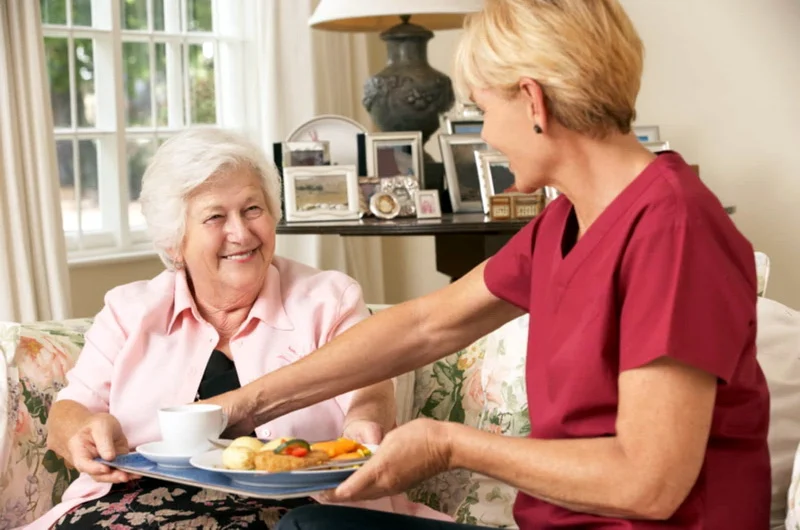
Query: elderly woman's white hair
[[185, 162]]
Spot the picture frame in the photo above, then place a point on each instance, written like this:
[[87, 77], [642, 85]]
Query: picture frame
[[465, 118], [656, 147], [306, 154], [321, 193], [494, 175], [647, 133], [461, 170], [392, 154], [428, 205], [384, 205]]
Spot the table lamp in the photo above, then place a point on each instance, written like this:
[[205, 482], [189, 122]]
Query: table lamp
[[409, 94]]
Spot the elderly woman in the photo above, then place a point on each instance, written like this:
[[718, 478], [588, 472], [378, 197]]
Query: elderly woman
[[648, 408], [225, 312]]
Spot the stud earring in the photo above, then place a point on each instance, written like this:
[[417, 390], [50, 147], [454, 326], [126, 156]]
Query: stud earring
[[537, 129]]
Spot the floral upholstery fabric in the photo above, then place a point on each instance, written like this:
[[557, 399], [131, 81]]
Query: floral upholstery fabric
[[482, 386], [35, 360]]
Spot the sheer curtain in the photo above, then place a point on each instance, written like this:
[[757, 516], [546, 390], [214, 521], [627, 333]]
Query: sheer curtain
[[34, 281], [303, 73]]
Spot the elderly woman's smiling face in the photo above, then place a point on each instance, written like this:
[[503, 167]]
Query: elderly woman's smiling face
[[230, 235]]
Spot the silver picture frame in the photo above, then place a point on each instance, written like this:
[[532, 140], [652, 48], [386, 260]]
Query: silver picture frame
[[494, 175], [321, 193], [392, 154], [656, 147], [306, 154], [647, 133], [461, 170], [465, 118]]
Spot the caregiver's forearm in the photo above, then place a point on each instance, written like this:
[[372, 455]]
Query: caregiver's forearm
[[591, 475], [392, 342]]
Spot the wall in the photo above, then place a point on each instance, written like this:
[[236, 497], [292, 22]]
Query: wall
[[90, 282], [721, 81]]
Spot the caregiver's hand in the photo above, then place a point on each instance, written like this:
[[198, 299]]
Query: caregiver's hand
[[409, 454]]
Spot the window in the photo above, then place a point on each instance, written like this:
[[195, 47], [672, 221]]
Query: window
[[124, 76]]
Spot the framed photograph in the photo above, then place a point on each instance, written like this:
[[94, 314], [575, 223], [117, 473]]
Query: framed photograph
[[465, 118], [657, 147], [500, 207], [461, 171], [306, 154], [392, 154], [428, 205], [647, 133], [384, 205], [494, 175], [320, 193]]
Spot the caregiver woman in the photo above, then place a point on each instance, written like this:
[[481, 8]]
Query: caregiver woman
[[648, 408]]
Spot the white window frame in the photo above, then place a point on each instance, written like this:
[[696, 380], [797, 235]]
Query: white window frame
[[117, 241]]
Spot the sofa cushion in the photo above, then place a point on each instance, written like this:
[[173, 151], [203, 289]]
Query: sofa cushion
[[489, 502], [778, 343], [36, 358], [482, 386]]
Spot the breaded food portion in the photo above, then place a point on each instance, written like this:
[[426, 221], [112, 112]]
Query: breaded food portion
[[269, 461]]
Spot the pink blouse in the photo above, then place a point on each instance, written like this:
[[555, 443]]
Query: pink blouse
[[149, 346]]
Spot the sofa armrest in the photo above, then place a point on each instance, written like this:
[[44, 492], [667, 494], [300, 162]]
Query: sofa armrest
[[35, 360]]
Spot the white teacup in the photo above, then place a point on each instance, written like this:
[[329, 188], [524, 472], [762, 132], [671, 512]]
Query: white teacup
[[187, 429]]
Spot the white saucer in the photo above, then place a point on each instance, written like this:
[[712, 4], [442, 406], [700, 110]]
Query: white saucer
[[156, 452]]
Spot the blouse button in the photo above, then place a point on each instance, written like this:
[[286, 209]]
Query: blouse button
[[265, 433]]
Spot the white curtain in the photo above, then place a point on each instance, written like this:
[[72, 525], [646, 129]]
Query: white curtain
[[34, 281], [307, 73]]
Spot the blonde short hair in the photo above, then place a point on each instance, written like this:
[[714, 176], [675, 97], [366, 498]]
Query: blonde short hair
[[185, 162], [585, 54]]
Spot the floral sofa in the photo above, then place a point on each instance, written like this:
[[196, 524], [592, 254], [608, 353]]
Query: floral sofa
[[481, 386]]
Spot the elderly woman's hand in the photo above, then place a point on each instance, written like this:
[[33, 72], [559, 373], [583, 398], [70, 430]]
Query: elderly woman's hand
[[364, 431], [100, 435]]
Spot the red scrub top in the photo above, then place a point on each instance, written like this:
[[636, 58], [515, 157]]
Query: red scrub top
[[663, 271]]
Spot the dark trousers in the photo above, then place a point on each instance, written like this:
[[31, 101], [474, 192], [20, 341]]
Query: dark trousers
[[321, 517]]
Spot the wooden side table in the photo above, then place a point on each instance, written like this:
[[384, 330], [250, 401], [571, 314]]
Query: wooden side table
[[462, 240]]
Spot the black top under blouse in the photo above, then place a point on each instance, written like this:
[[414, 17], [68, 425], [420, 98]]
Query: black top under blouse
[[219, 377]]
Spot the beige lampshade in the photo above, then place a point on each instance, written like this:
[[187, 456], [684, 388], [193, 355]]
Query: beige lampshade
[[378, 15]]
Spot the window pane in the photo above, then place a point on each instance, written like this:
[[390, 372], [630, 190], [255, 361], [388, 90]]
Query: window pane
[[66, 184], [201, 83], [81, 12], [198, 15], [53, 11], [158, 15], [160, 85], [91, 218], [136, 59], [84, 82], [139, 153], [134, 14], [55, 51]]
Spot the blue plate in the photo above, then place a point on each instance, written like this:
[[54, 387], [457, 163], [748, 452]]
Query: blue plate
[[139, 465]]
